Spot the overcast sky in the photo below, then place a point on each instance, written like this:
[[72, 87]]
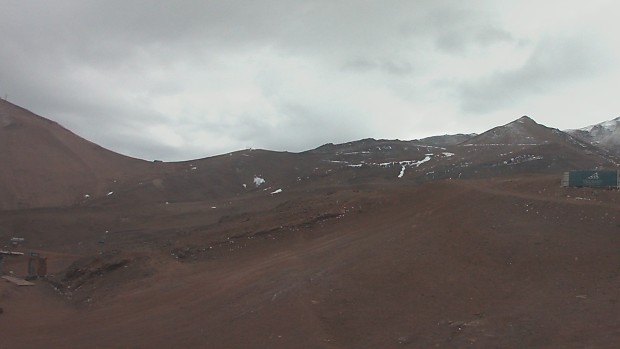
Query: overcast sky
[[177, 80]]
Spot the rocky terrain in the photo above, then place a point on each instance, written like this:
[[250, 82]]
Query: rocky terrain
[[605, 135], [453, 241]]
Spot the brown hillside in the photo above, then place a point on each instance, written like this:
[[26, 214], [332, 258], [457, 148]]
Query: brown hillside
[[44, 164], [366, 244], [505, 263]]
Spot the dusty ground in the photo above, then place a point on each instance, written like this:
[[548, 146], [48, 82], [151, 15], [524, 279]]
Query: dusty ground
[[368, 244], [503, 263]]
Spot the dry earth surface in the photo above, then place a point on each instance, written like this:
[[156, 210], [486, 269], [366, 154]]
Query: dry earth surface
[[510, 263], [369, 244]]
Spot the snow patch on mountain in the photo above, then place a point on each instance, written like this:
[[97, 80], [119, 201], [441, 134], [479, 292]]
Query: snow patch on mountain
[[605, 135], [609, 126], [522, 158], [403, 164], [258, 181]]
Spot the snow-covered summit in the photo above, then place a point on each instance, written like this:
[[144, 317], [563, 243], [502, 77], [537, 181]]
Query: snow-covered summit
[[605, 134], [606, 126]]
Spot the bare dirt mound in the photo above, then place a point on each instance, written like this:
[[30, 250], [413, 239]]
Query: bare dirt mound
[[43, 164]]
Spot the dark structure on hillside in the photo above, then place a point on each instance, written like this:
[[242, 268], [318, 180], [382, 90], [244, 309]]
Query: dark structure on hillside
[[591, 178], [37, 266]]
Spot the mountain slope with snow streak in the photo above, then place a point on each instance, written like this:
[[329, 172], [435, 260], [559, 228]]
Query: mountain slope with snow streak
[[605, 135]]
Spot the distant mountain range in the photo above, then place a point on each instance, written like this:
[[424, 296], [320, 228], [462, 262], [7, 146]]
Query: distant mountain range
[[45, 165], [605, 135]]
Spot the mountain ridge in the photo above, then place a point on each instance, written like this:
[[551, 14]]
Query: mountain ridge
[[365, 244], [49, 166], [605, 135]]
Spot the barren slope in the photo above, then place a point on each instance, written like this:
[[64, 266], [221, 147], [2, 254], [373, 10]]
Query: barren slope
[[508, 263], [367, 244], [605, 135], [44, 164]]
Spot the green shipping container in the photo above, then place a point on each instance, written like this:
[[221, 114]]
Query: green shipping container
[[591, 178]]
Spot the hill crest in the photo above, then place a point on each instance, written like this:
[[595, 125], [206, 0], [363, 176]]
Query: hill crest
[[46, 165], [605, 135]]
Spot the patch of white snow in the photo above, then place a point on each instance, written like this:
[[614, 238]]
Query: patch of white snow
[[357, 152], [426, 159], [258, 181]]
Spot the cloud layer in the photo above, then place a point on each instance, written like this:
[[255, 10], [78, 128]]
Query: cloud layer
[[186, 80]]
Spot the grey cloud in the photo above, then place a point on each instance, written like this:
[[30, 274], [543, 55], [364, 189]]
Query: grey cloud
[[299, 127], [459, 40], [133, 143], [319, 126], [113, 33], [491, 35], [222, 75], [552, 64], [396, 68], [457, 28]]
